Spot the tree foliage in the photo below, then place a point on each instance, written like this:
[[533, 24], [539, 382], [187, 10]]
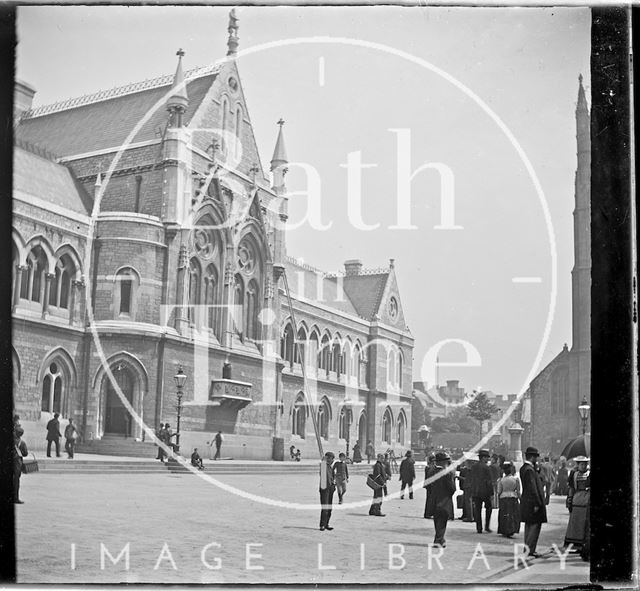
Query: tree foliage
[[481, 408], [417, 414]]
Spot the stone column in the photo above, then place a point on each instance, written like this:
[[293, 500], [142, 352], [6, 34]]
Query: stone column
[[182, 321], [17, 286], [47, 290], [78, 286], [515, 443]]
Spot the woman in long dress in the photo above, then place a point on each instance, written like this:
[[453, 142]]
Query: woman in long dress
[[508, 502], [578, 504]]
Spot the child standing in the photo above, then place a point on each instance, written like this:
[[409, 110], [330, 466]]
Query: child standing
[[342, 476]]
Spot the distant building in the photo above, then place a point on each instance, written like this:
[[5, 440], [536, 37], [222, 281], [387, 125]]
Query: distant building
[[558, 389]]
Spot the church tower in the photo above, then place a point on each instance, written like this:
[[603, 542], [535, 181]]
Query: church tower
[[580, 359]]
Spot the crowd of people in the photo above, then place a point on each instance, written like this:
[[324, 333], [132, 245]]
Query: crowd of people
[[487, 484]]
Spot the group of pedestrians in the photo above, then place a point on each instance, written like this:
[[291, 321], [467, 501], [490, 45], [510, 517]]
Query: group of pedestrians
[[54, 435]]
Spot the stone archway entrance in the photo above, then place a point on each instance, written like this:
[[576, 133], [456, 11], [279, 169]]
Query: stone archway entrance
[[117, 420]]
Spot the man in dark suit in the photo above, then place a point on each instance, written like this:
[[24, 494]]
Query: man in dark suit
[[442, 490], [53, 435], [327, 488], [533, 511], [482, 490]]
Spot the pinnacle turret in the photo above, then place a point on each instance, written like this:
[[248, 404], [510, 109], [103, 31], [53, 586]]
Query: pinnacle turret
[[178, 101], [233, 41], [279, 160]]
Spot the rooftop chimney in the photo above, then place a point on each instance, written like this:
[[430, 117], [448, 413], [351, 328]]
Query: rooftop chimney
[[22, 99], [352, 267]]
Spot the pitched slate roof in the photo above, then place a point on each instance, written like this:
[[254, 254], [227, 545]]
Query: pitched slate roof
[[95, 123], [41, 177], [303, 280], [365, 292]]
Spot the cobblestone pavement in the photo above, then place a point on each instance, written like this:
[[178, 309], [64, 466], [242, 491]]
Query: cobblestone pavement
[[171, 523]]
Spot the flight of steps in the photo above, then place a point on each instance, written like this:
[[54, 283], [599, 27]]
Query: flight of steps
[[79, 466], [116, 445]]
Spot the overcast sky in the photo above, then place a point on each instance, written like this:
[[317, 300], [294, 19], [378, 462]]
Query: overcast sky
[[338, 98]]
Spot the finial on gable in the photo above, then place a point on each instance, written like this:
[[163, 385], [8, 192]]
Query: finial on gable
[[233, 40]]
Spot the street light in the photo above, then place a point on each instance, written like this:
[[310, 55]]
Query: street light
[[347, 412], [180, 378], [584, 409]]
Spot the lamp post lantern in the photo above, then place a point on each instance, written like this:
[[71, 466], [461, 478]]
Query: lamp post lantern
[[584, 409], [180, 378]]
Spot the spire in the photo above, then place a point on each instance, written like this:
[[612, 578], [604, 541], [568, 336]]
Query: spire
[[178, 101], [582, 99], [279, 162], [233, 40], [280, 152], [98, 185]]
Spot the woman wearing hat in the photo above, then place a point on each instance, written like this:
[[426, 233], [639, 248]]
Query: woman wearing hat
[[508, 502], [578, 504]]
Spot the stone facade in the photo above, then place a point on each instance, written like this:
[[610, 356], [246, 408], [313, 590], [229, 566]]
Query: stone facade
[[139, 252]]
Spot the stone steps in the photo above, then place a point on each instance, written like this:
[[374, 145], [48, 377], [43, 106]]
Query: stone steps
[[83, 466]]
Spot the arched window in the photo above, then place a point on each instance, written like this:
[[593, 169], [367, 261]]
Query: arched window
[[400, 364], [60, 289], [313, 357], [252, 308], [391, 368], [287, 344], [325, 353], [355, 363], [343, 424], [336, 357], [560, 391], [33, 277], [195, 285], [387, 424], [299, 352], [401, 428], [225, 115], [238, 294], [52, 389], [238, 146], [210, 287], [299, 418], [248, 288], [126, 287], [324, 416]]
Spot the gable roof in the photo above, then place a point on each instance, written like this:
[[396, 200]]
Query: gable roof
[[104, 120], [41, 177], [365, 292]]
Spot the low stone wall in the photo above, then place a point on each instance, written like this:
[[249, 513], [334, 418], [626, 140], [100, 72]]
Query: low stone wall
[[238, 447]]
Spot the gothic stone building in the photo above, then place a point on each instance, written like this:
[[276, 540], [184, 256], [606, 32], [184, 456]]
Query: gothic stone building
[[559, 388], [146, 237]]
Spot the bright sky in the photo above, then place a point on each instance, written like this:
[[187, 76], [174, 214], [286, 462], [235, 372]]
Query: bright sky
[[338, 99]]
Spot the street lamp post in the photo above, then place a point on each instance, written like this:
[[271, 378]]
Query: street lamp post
[[180, 378], [584, 409], [347, 412]]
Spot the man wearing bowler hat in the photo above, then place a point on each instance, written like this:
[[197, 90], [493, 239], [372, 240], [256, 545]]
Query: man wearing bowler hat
[[533, 511], [482, 490], [442, 490]]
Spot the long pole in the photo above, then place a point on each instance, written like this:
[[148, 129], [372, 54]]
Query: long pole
[[179, 413]]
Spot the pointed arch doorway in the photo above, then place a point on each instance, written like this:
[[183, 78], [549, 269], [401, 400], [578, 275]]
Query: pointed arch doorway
[[117, 420], [362, 430]]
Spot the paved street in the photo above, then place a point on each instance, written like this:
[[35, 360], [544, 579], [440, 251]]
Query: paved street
[[187, 514]]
